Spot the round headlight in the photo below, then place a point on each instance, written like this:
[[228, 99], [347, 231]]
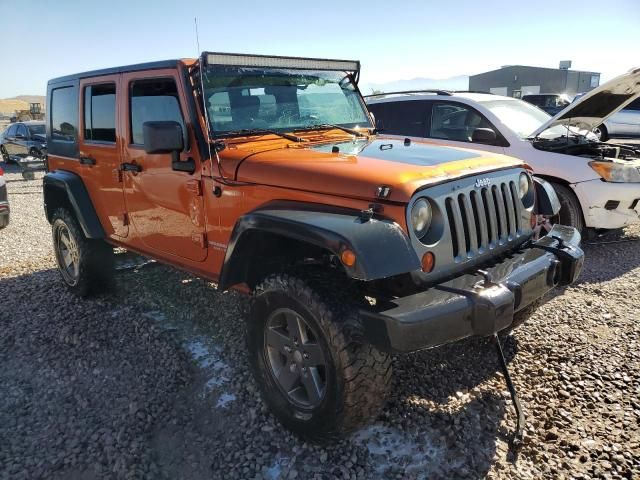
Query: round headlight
[[421, 217], [524, 184]]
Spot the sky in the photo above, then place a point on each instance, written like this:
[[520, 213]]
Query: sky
[[393, 40]]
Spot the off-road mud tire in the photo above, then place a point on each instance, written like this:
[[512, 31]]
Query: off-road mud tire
[[95, 257], [359, 375]]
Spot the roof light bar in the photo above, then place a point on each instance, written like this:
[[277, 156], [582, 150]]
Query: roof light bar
[[298, 63]]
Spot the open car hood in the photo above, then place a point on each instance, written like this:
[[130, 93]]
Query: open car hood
[[597, 105]]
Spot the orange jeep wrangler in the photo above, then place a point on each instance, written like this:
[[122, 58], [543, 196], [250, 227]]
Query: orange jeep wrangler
[[265, 174]]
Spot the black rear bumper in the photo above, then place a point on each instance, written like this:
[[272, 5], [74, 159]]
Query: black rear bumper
[[477, 304]]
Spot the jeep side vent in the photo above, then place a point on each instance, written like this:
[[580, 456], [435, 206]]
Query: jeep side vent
[[481, 220]]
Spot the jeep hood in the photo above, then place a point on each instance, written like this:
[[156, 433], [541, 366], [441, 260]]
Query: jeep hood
[[359, 167], [596, 106]]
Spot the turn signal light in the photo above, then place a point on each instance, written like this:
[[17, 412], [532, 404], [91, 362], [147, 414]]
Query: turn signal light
[[348, 258], [428, 262]]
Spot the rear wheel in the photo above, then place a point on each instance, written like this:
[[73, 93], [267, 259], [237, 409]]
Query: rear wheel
[[5, 154], [86, 265], [316, 372]]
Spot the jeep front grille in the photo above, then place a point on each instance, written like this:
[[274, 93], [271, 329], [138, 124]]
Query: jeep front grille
[[482, 219]]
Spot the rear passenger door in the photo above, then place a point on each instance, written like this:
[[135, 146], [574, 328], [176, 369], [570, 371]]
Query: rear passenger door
[[453, 123], [100, 141], [165, 206]]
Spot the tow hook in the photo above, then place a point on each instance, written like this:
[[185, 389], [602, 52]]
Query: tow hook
[[516, 441]]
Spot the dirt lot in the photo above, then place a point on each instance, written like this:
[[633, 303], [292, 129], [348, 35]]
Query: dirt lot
[[151, 381]]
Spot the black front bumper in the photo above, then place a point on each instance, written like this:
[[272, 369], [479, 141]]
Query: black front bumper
[[477, 304]]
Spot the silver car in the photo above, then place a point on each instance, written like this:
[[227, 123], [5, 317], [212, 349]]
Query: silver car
[[625, 123]]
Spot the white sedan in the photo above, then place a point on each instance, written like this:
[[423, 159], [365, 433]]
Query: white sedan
[[598, 183]]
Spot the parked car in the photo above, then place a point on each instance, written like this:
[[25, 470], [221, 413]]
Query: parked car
[[4, 201], [598, 183], [551, 103], [23, 139], [264, 174], [624, 124]]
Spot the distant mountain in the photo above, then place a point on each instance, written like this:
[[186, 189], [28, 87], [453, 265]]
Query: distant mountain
[[29, 98], [461, 82]]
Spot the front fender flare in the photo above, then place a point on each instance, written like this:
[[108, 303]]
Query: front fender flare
[[547, 202], [381, 247]]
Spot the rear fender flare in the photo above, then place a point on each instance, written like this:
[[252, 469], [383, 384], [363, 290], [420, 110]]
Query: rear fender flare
[[63, 187]]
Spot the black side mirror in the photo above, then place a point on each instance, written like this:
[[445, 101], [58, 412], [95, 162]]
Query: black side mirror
[[167, 137], [485, 136], [162, 137]]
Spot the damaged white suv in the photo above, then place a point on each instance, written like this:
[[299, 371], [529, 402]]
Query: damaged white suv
[[598, 183]]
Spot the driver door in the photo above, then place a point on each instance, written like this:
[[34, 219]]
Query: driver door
[[164, 206]]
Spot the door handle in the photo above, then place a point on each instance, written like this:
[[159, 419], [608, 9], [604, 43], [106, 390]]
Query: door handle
[[130, 167], [87, 161]]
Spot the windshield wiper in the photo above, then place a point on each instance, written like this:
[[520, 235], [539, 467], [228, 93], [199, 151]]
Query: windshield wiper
[[263, 131], [326, 126]]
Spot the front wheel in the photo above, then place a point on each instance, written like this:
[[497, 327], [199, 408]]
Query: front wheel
[[601, 132], [86, 265], [316, 372]]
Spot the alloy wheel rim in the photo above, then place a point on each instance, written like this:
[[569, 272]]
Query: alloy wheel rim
[[68, 255], [598, 132], [295, 358]]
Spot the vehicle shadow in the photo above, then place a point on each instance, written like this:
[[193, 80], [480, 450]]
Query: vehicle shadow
[[441, 421]]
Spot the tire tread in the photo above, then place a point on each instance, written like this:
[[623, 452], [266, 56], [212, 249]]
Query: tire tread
[[365, 370]]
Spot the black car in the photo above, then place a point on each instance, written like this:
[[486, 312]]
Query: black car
[[551, 103], [23, 139]]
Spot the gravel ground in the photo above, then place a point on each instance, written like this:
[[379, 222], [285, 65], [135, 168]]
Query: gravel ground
[[151, 381]]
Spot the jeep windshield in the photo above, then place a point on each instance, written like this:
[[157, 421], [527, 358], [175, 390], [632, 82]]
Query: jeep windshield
[[241, 100]]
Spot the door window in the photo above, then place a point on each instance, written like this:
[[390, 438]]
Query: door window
[[100, 113], [22, 130], [407, 117], [64, 114], [455, 121], [11, 132], [153, 100]]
